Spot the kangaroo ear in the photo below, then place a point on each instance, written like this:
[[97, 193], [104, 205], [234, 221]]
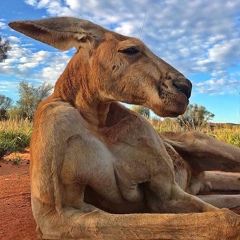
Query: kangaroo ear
[[62, 33]]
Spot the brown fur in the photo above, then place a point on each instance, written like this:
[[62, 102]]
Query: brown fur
[[91, 157]]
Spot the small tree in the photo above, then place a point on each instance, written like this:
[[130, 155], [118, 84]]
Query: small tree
[[5, 104], [30, 96], [195, 116], [141, 110], [4, 48]]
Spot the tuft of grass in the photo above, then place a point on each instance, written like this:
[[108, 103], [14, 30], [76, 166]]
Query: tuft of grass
[[14, 135], [17, 160], [227, 133]]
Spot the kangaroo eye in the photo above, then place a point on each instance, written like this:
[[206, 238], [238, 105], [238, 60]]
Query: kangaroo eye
[[129, 51]]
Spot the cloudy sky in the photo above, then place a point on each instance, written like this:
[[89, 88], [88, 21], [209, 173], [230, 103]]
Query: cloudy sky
[[200, 38]]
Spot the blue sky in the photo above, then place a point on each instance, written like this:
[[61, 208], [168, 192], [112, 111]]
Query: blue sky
[[200, 38]]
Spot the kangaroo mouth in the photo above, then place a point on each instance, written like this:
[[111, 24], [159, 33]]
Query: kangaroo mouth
[[175, 88], [174, 98]]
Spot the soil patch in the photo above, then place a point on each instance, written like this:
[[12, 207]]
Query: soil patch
[[16, 218]]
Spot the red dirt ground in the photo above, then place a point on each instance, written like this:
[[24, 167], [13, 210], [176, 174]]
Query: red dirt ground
[[16, 220]]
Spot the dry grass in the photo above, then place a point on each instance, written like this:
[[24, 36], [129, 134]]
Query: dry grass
[[227, 133], [21, 125]]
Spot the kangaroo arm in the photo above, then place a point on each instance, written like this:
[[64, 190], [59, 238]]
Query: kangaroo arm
[[203, 151], [102, 226], [223, 181], [222, 201]]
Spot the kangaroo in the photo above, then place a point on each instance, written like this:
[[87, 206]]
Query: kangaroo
[[99, 170]]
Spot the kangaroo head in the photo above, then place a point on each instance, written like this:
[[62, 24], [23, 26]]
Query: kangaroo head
[[110, 67]]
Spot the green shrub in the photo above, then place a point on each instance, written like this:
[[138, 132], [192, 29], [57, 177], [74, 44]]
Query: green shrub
[[17, 160], [12, 141], [14, 135]]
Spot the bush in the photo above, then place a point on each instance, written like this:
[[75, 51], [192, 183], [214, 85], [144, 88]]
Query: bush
[[14, 135], [13, 141]]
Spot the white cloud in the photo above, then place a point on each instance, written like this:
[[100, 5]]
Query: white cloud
[[13, 39], [43, 3], [55, 67], [221, 82], [125, 28], [218, 73], [31, 2], [7, 86], [26, 64], [3, 25], [225, 51]]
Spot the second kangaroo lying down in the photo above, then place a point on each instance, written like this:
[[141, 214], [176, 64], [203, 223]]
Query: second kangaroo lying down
[[91, 156], [203, 153]]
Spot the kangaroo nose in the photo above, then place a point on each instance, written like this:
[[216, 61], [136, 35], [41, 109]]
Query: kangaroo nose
[[175, 82], [183, 85]]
